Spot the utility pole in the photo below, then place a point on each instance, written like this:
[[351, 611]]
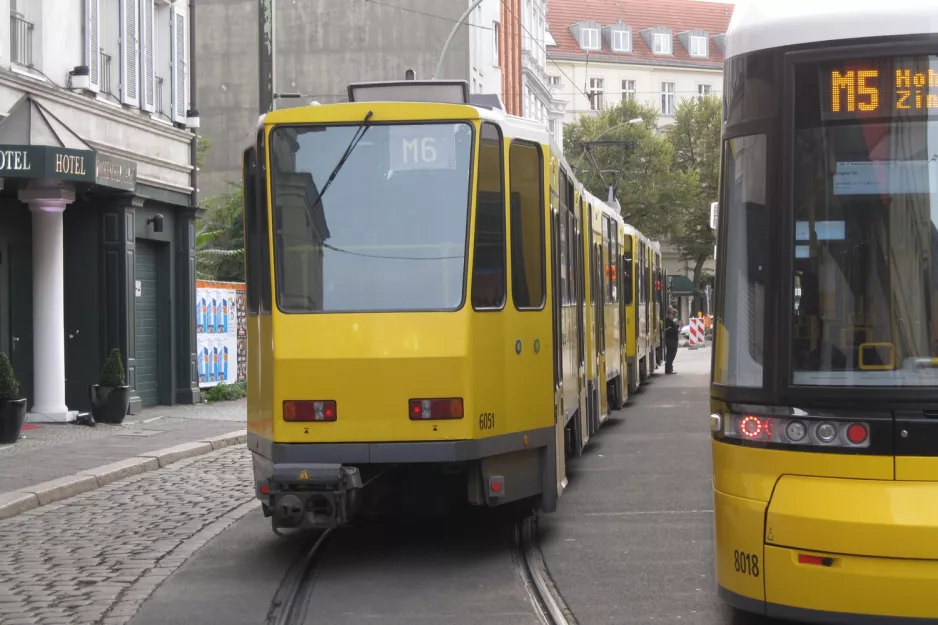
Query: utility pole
[[265, 57], [449, 40]]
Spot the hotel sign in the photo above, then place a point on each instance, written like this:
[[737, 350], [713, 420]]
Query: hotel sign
[[40, 161]]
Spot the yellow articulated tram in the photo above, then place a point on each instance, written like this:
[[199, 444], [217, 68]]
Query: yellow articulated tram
[[824, 396], [435, 305]]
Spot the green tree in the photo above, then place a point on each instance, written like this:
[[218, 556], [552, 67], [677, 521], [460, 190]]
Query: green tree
[[649, 189], [219, 241], [695, 138]]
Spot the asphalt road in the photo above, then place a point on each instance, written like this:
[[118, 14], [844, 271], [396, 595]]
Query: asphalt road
[[632, 539], [631, 543]]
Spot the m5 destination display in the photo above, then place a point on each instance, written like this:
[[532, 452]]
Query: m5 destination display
[[889, 87]]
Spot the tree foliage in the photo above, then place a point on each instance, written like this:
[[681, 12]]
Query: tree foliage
[[650, 188], [112, 373], [695, 139], [219, 242], [9, 386]]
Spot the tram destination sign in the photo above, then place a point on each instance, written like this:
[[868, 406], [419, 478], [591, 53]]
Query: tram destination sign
[[877, 88]]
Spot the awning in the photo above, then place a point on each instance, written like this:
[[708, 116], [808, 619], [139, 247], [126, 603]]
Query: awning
[[34, 143], [680, 285]]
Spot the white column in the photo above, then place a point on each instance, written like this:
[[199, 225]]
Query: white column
[[47, 203]]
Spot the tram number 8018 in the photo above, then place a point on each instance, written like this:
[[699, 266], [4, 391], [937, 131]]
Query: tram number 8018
[[487, 421], [746, 563]]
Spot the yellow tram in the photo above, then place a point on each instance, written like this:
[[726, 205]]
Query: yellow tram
[[824, 396], [434, 305]]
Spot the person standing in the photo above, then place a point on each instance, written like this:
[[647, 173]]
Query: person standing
[[671, 330]]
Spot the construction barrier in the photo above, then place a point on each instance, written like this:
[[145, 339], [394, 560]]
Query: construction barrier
[[696, 333]]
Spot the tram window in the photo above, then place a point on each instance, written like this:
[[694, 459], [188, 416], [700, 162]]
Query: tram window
[[743, 208], [249, 186], [389, 234], [752, 87], [864, 306], [627, 271], [263, 214], [488, 265], [527, 226], [562, 252]]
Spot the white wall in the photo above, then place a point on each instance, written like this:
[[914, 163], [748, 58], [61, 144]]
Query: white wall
[[106, 121], [486, 75], [647, 84]]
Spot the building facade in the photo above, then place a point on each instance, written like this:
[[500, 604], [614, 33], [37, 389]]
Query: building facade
[[540, 102], [320, 46], [657, 51], [97, 201]]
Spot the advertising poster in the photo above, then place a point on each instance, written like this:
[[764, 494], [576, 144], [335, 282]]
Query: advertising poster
[[220, 332]]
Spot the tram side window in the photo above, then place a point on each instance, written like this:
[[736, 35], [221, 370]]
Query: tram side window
[[488, 265], [263, 218], [627, 271], [527, 226], [249, 200], [740, 354]]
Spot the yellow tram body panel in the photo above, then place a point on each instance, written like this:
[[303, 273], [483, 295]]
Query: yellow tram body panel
[[801, 534], [372, 364], [515, 355]]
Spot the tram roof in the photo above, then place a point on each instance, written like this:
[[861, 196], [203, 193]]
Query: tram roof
[[765, 24]]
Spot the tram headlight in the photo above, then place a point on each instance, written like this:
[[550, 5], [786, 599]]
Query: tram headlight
[[796, 431], [826, 432], [805, 431]]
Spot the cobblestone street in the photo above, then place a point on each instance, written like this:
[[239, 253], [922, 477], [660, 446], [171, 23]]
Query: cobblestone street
[[96, 557]]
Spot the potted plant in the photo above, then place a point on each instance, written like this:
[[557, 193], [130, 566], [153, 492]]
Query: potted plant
[[12, 406], [110, 399]]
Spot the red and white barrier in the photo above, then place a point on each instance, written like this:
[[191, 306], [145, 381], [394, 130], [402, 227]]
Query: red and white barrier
[[696, 333]]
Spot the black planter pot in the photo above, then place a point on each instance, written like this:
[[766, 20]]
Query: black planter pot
[[109, 404], [12, 417]]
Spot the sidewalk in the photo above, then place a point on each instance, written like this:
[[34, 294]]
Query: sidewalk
[[44, 465]]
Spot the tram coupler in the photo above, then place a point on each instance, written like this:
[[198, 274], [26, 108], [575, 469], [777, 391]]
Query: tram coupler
[[312, 496]]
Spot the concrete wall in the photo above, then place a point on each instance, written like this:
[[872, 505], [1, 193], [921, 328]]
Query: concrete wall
[[321, 46]]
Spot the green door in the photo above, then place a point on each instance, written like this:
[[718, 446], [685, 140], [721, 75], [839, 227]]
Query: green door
[[146, 323]]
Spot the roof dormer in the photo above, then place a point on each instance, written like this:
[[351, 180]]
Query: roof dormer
[[618, 36], [587, 35], [720, 41], [659, 40], [696, 42]]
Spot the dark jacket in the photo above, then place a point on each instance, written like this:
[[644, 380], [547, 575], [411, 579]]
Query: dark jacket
[[670, 329]]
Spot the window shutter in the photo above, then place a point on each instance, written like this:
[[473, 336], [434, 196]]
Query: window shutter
[[148, 82], [92, 45], [130, 53], [178, 34]]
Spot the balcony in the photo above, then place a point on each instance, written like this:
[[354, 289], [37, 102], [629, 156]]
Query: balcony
[[104, 72], [21, 40], [159, 95]]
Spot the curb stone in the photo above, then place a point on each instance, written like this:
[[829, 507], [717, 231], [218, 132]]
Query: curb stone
[[32, 497]]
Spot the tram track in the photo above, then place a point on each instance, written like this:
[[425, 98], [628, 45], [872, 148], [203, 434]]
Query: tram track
[[292, 600], [549, 605]]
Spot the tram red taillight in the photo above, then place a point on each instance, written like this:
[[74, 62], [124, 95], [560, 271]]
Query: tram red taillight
[[310, 410], [797, 430], [434, 409], [857, 433]]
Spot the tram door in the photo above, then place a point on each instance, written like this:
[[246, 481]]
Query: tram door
[[557, 309], [599, 301]]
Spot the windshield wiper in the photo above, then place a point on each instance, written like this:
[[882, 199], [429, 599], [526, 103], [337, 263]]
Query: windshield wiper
[[359, 133]]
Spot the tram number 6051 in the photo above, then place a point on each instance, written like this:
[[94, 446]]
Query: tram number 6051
[[746, 563], [487, 421]]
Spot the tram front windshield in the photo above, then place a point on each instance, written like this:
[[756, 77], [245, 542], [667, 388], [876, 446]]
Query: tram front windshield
[[865, 248], [388, 233]]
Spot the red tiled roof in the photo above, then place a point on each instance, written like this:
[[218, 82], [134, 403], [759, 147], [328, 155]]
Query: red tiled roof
[[678, 15]]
